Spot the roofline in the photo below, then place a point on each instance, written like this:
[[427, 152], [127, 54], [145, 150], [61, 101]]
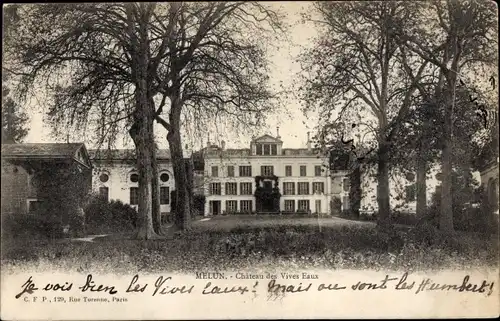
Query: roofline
[[267, 156], [122, 159], [38, 156]]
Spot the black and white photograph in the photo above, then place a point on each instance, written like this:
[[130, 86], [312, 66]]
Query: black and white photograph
[[250, 160]]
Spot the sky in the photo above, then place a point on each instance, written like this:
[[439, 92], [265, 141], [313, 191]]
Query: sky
[[293, 125]]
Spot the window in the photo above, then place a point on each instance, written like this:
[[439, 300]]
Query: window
[[104, 177], [215, 189], [290, 205], [104, 193], [303, 205], [230, 171], [164, 195], [231, 206], [267, 149], [317, 170], [288, 170], [214, 207], [231, 189], [303, 170], [215, 171], [34, 206], [410, 193], [164, 177], [246, 206], [346, 184], [259, 149], [134, 178], [288, 188], [345, 202], [303, 188], [245, 188], [267, 170], [134, 195], [245, 171], [318, 187]]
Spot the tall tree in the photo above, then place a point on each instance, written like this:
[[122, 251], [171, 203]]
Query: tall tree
[[214, 70], [116, 67], [357, 69], [457, 37], [93, 59]]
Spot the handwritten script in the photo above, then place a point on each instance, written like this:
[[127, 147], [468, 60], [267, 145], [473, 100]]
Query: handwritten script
[[166, 285]]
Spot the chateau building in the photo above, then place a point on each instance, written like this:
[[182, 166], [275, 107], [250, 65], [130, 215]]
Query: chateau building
[[115, 176], [267, 178]]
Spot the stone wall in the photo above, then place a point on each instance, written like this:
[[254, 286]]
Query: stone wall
[[15, 189]]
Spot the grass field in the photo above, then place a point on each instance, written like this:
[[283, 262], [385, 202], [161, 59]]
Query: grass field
[[245, 243]]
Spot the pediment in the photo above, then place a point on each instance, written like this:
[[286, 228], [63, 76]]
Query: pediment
[[267, 139]]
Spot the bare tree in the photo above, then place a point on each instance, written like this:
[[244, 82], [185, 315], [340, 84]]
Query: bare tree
[[215, 70], [95, 60], [113, 67], [356, 69]]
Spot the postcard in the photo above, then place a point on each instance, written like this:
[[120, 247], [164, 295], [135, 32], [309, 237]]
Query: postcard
[[250, 160]]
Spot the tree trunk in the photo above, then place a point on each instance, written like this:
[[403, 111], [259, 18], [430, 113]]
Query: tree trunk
[[143, 120], [189, 186], [145, 227], [182, 212], [355, 191], [446, 217], [446, 213], [421, 186], [384, 215], [155, 187]]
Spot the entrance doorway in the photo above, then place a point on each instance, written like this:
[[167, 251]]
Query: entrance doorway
[[214, 207], [317, 206]]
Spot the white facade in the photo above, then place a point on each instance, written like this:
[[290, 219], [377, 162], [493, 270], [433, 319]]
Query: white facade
[[289, 167], [113, 177]]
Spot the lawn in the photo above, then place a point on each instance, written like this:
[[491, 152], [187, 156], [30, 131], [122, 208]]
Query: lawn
[[249, 242]]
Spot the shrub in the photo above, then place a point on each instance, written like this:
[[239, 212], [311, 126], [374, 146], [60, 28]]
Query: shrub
[[473, 214], [336, 206], [404, 218], [37, 225], [114, 216]]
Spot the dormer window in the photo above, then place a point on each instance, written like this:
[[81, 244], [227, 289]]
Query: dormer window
[[266, 149], [259, 149], [266, 145]]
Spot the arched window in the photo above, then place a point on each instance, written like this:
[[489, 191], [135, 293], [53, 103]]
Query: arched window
[[104, 177], [164, 177]]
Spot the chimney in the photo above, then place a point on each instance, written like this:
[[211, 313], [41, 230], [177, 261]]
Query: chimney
[[278, 132], [223, 145], [308, 142]]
